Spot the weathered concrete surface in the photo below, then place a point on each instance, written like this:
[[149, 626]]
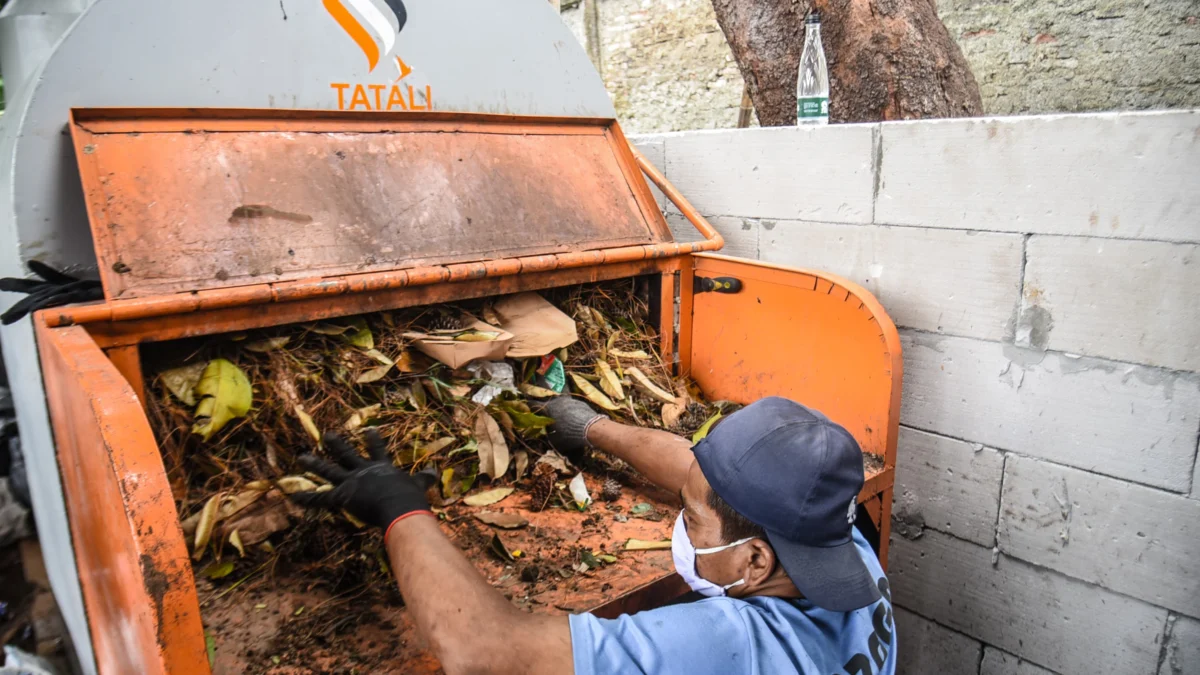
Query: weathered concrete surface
[[942, 281], [1124, 421], [1132, 301], [1182, 653], [666, 64], [1129, 176], [1133, 539], [996, 662], [926, 647], [764, 173], [741, 234], [1053, 620], [947, 485], [1079, 55], [655, 150]]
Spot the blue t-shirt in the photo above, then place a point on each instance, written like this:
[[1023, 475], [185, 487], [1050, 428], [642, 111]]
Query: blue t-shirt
[[727, 636]]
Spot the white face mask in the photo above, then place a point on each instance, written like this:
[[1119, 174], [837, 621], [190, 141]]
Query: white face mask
[[685, 561]]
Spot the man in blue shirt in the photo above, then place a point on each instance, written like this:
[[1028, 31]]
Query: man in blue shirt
[[766, 533]]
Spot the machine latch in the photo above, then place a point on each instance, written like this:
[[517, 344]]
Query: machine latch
[[717, 285]]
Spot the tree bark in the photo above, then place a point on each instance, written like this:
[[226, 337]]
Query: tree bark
[[888, 59]]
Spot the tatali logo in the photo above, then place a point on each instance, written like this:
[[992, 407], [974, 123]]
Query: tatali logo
[[375, 27]]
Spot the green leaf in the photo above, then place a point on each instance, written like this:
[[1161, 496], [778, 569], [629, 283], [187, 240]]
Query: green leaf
[[210, 646], [702, 432], [182, 381], [226, 396], [360, 335], [641, 509], [218, 570], [529, 421]]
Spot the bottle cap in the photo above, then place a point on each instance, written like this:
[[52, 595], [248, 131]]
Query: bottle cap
[[813, 17]]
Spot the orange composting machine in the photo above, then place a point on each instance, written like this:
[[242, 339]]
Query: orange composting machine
[[214, 220]]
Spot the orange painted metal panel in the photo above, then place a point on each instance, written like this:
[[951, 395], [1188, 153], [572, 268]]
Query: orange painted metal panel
[[807, 335], [183, 209], [134, 569]]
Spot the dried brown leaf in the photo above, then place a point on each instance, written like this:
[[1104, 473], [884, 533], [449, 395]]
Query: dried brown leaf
[[506, 521], [204, 526], [374, 374], [522, 460], [641, 381], [537, 392], [309, 425], [488, 497], [643, 545], [635, 354], [671, 412], [493, 450]]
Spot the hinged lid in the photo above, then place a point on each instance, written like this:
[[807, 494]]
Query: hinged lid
[[184, 200]]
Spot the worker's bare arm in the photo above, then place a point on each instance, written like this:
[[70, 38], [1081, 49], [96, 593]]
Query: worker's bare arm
[[662, 457], [471, 627]]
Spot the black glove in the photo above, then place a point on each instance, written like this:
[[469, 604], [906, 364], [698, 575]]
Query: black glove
[[372, 490], [57, 289], [572, 418]]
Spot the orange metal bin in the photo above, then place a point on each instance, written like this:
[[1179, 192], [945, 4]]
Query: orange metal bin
[[213, 221]]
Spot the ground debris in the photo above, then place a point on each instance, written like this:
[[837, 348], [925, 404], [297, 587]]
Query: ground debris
[[348, 375]]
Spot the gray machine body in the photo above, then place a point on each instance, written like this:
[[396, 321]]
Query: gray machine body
[[510, 56]]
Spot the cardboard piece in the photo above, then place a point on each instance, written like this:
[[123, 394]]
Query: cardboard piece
[[538, 326], [458, 353]]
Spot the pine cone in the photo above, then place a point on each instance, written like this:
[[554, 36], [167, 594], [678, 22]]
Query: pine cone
[[611, 491], [446, 321], [542, 486]]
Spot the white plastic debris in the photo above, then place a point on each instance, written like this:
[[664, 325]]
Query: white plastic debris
[[500, 378], [579, 492]]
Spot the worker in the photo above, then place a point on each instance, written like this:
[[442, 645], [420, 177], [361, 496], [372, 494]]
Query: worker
[[766, 533]]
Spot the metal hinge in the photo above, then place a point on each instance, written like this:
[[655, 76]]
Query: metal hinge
[[717, 285]]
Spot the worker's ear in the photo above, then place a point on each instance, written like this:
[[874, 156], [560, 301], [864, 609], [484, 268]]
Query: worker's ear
[[760, 564]]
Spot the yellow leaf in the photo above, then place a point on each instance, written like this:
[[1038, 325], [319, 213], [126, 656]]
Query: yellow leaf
[[537, 392], [493, 451], [204, 527], [488, 498], [374, 375], [592, 393], [609, 381], [309, 425], [353, 520], [361, 416], [236, 540], [477, 336], [270, 344], [702, 432], [182, 381], [643, 545], [218, 570], [645, 384], [226, 396], [448, 490], [293, 484], [636, 354]]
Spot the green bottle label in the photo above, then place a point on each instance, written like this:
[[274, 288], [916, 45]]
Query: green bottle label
[[812, 106]]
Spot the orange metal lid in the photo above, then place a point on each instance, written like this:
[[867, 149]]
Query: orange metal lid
[[185, 200]]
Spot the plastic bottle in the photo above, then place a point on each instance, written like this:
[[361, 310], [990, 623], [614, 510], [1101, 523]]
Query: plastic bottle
[[812, 89]]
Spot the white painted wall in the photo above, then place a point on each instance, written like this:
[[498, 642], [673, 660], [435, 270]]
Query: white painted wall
[[1043, 272]]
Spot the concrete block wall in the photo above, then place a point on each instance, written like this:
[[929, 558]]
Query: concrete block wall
[[1043, 272]]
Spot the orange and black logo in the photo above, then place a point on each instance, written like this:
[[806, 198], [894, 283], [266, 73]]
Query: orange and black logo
[[375, 27]]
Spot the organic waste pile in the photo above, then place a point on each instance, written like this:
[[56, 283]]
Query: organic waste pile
[[451, 389]]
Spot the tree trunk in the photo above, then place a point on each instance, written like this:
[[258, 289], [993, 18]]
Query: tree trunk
[[888, 59]]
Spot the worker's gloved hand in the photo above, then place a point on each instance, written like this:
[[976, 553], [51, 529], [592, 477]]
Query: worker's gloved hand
[[372, 490], [572, 419], [55, 289]]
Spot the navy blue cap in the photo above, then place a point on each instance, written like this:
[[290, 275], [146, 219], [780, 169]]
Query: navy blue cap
[[792, 471]]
